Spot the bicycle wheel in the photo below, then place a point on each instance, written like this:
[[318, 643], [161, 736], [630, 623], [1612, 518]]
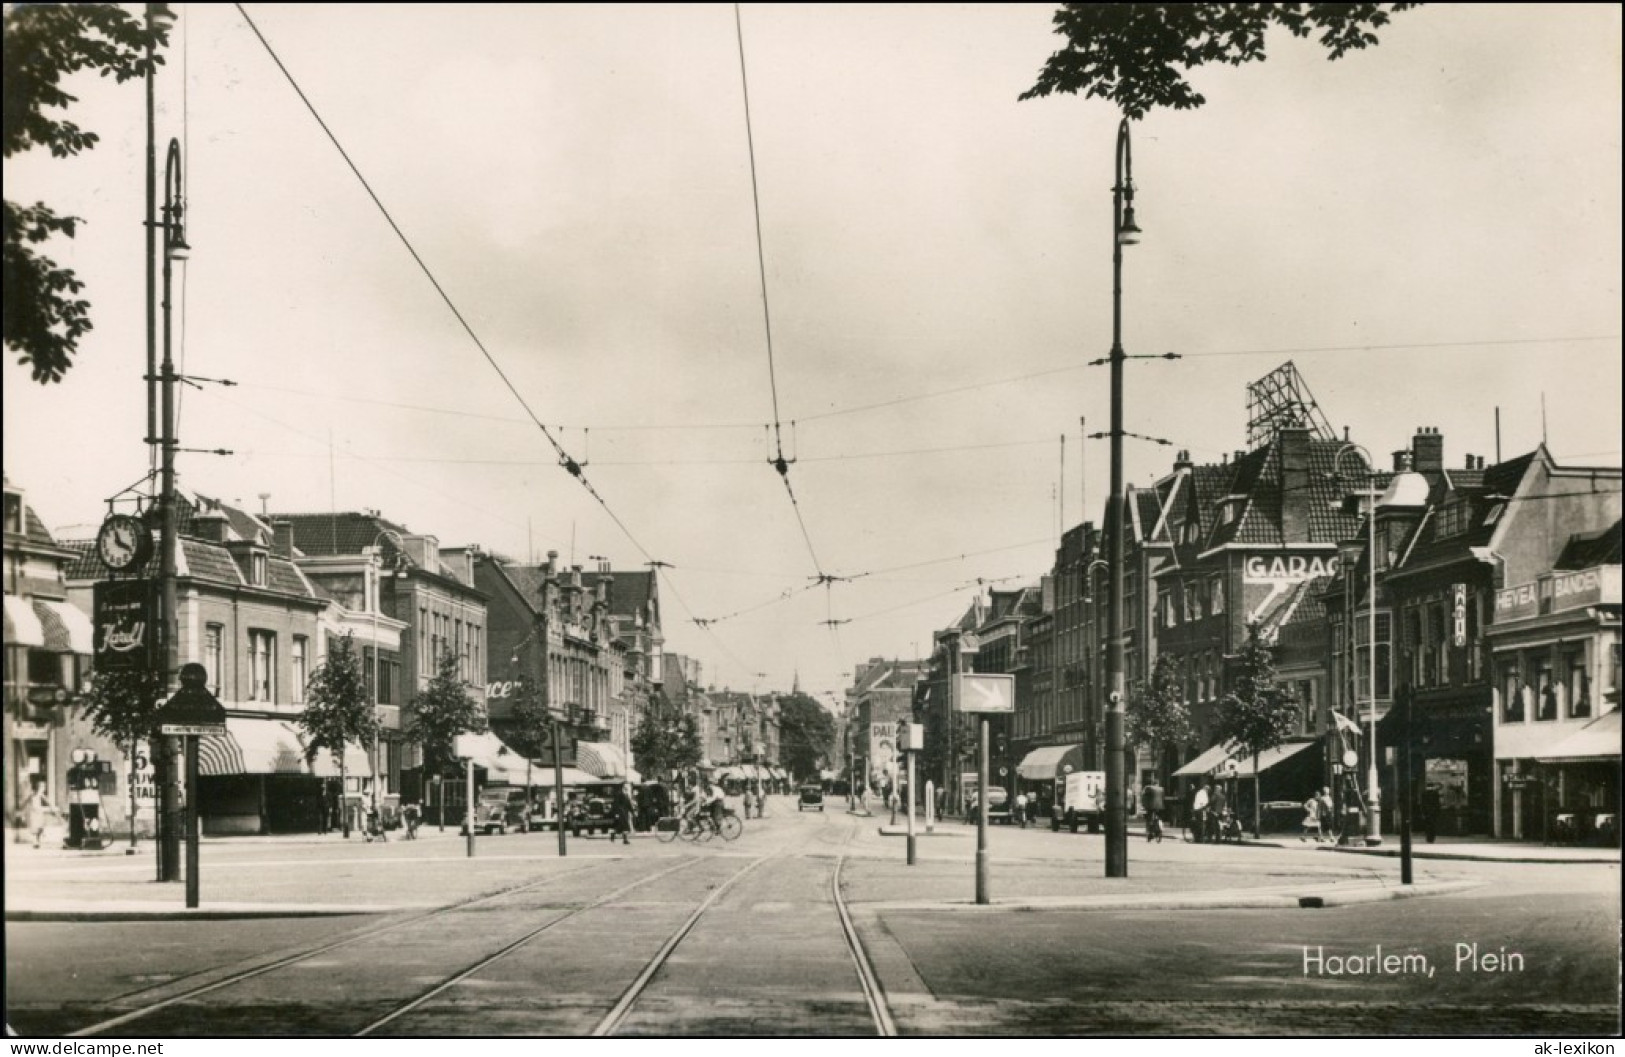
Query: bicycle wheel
[[731, 827], [666, 829], [696, 831]]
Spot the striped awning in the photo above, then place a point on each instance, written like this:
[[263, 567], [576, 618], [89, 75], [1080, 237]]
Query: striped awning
[[1212, 757], [1592, 743], [600, 758], [22, 624], [1044, 763], [270, 746], [66, 628]]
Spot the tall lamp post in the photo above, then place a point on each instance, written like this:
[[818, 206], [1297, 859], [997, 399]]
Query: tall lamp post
[[1125, 232], [174, 249], [395, 541], [1373, 791]]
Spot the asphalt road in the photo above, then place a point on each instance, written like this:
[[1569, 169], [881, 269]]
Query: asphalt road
[[747, 938]]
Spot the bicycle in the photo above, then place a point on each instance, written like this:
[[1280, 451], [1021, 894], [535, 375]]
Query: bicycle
[[669, 827], [1153, 826]]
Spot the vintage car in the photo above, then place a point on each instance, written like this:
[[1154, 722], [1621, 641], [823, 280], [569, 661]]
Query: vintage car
[[499, 810], [809, 797]]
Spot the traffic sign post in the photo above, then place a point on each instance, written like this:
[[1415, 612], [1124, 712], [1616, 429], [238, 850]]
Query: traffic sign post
[[190, 714], [984, 694], [910, 739]]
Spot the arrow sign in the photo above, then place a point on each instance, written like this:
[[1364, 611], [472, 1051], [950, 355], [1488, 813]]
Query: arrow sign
[[984, 693]]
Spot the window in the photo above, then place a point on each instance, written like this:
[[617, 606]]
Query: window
[[1215, 595], [1362, 639], [14, 514], [1165, 607], [256, 566], [1578, 683], [1193, 600], [423, 640], [1306, 697], [301, 671], [1511, 694], [1547, 699], [214, 655], [261, 666], [44, 668]]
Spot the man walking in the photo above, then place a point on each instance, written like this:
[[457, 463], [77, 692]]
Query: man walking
[[1199, 811]]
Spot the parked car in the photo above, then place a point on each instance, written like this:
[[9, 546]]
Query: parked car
[[591, 814], [499, 810], [811, 796]]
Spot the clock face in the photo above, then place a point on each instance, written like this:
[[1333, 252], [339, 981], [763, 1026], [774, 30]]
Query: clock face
[[123, 541]]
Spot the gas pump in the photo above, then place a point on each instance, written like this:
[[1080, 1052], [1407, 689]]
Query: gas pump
[[85, 779]]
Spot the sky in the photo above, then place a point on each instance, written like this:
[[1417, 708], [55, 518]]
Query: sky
[[1428, 229]]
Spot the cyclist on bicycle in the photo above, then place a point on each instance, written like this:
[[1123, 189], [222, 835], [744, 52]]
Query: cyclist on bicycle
[[694, 804], [1151, 801], [716, 804]]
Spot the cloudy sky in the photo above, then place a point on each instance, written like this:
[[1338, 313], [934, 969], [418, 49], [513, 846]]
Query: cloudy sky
[[1430, 230]]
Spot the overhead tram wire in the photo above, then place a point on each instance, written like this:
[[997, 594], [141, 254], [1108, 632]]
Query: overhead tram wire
[[568, 463], [778, 462], [565, 460]]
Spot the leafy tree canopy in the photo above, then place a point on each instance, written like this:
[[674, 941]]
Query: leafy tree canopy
[[1135, 54], [442, 711], [337, 709], [806, 735], [45, 43], [1257, 715], [121, 705], [1158, 714], [667, 739]]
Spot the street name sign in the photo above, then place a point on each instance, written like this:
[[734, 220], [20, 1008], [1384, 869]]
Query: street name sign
[[984, 693]]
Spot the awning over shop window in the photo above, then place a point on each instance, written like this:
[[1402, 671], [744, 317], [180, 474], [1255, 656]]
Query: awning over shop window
[[22, 625], [1592, 743], [1271, 757], [67, 630], [1205, 763], [271, 746], [600, 758], [1044, 763]]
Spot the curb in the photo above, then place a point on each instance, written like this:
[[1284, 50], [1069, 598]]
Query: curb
[[900, 831], [1234, 899], [220, 912], [1394, 853]]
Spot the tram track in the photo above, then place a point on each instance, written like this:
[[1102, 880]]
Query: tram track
[[314, 952]]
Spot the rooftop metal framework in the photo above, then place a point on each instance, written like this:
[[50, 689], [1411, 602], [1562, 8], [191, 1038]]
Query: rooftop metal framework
[[1281, 400]]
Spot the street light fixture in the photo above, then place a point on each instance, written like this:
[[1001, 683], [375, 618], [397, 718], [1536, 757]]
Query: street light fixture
[[1125, 232], [1373, 791]]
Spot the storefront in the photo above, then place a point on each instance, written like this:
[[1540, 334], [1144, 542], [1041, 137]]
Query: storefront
[[255, 779]]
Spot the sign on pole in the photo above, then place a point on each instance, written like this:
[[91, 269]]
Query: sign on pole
[[126, 622], [192, 711], [984, 693]]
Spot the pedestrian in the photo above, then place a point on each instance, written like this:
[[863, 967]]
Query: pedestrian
[[621, 806], [1199, 811], [1151, 799], [1432, 804], [1021, 810], [36, 810], [1218, 804], [747, 799], [412, 815], [1311, 819]]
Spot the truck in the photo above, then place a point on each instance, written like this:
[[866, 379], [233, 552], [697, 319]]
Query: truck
[[1080, 798]]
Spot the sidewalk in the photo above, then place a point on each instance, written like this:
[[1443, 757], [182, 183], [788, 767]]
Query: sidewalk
[[1482, 849]]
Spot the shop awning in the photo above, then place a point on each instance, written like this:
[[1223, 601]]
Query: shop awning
[[271, 746], [600, 758], [1210, 758], [541, 777], [1592, 743], [22, 625], [1044, 763], [66, 628], [1271, 757]]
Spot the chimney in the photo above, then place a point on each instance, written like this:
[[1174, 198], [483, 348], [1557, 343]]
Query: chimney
[[282, 538], [1427, 448], [552, 561], [1402, 461], [1182, 461], [211, 527], [1295, 488]]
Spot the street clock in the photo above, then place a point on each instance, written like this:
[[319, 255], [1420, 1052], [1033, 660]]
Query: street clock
[[123, 542]]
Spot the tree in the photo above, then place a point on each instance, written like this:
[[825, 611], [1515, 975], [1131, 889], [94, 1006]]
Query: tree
[[44, 43], [667, 739], [1158, 714], [1256, 715], [806, 734], [441, 712], [337, 710], [531, 729], [1133, 54], [123, 706]]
